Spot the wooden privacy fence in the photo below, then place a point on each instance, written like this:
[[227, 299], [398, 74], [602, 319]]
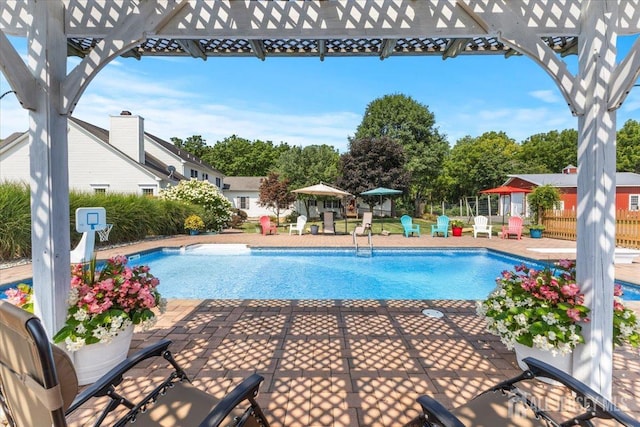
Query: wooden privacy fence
[[563, 225]]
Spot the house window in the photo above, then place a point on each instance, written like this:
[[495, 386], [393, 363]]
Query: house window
[[634, 202], [332, 204], [147, 192], [194, 173], [205, 176], [313, 203], [243, 202], [100, 188], [218, 182]]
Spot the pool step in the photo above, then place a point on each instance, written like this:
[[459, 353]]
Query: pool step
[[363, 250]]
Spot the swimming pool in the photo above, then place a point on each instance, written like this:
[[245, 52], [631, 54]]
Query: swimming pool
[[236, 272]]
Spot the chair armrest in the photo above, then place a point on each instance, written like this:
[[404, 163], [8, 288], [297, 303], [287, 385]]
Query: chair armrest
[[114, 376], [436, 412], [246, 390], [587, 397]]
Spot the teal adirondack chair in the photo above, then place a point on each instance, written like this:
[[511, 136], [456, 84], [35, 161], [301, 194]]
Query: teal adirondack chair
[[407, 224], [441, 226]]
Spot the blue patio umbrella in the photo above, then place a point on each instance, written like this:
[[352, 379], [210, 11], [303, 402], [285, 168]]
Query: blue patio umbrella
[[381, 191]]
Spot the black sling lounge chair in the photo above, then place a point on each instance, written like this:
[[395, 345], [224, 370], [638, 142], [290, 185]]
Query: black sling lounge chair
[[508, 405], [38, 386]]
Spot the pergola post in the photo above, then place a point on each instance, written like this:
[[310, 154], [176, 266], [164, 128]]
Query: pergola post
[[49, 175], [596, 193]]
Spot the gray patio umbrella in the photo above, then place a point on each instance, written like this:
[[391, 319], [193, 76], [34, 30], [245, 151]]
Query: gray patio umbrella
[[381, 191]]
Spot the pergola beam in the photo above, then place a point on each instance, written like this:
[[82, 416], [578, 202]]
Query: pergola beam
[[193, 48], [129, 31], [454, 47], [624, 77], [322, 48], [257, 46], [17, 74], [388, 45]]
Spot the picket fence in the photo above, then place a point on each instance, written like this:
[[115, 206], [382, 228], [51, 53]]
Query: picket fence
[[563, 225]]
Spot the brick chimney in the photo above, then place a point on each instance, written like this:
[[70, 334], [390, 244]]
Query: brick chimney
[[127, 135]]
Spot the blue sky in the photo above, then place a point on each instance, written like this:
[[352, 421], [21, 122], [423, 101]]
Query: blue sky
[[306, 101]]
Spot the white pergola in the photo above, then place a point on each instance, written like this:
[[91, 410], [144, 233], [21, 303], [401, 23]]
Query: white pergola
[[543, 30]]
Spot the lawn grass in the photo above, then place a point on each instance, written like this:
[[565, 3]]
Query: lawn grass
[[391, 225]]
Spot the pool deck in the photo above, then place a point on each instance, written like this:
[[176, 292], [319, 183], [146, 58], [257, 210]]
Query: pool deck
[[345, 362]]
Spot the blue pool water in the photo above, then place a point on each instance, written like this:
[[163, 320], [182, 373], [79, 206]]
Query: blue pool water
[[235, 272], [207, 272]]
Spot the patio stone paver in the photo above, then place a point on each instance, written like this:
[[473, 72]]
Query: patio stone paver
[[332, 371], [341, 363]]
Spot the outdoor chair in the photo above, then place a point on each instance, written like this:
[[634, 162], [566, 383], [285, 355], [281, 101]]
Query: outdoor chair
[[441, 226], [407, 225], [39, 386], [509, 404], [328, 223], [267, 226], [481, 225], [299, 225], [365, 226], [513, 228]]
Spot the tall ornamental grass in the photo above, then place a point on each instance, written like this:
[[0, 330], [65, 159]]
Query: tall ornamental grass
[[133, 217], [15, 221]]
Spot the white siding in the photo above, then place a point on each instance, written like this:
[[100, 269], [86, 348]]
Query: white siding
[[126, 134], [182, 166], [14, 161], [254, 210], [92, 164], [106, 166], [162, 154]]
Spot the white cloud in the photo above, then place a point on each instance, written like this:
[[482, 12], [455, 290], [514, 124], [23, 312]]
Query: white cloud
[[517, 123], [548, 96], [170, 110]]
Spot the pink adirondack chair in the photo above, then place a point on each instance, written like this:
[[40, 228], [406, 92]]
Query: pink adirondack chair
[[513, 228], [267, 226]]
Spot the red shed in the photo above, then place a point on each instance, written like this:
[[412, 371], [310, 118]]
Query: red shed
[[627, 187]]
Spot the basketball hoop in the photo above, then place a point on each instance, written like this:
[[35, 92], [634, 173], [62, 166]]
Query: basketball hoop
[[104, 233]]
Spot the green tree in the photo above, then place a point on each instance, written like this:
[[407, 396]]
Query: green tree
[[628, 147], [275, 194], [373, 162], [479, 163], [193, 144], [236, 156], [549, 152], [410, 123], [308, 166], [542, 198]]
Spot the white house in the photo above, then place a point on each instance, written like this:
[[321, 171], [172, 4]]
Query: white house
[[124, 159], [244, 193]]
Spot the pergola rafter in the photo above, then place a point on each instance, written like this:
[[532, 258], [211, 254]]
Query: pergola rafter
[[543, 30]]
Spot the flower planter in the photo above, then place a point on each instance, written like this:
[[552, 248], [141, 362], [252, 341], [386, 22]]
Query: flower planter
[[456, 231], [535, 234], [564, 363], [94, 360]]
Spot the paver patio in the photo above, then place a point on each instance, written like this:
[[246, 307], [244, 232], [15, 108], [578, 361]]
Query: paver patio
[[344, 362]]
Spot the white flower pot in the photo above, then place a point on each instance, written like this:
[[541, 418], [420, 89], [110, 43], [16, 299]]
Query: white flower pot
[[94, 360], [564, 363]]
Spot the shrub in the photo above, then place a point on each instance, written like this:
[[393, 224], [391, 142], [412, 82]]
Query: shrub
[[238, 217], [217, 209], [15, 221], [134, 217], [194, 222]]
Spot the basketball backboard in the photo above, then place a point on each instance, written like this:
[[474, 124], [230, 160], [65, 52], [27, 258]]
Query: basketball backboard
[[90, 219]]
